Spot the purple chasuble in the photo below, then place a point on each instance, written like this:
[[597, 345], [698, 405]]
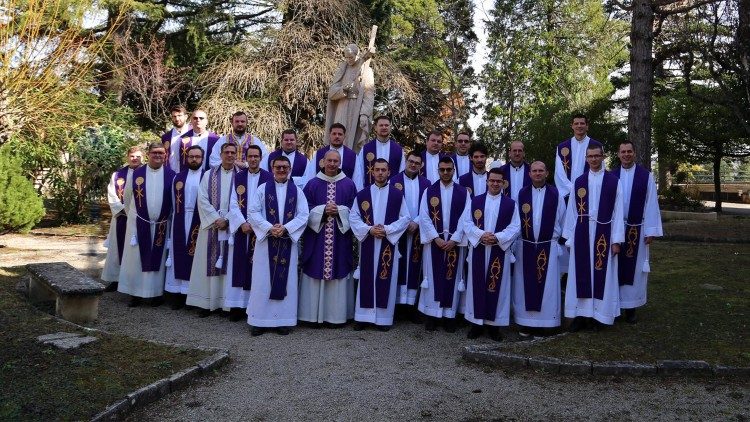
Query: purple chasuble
[[216, 247], [633, 224], [602, 235], [382, 279], [564, 151], [414, 270], [279, 248], [348, 160], [183, 244], [369, 156], [243, 147], [506, 168], [486, 281], [299, 166], [536, 251], [327, 255], [120, 177], [151, 251], [445, 263], [244, 243]]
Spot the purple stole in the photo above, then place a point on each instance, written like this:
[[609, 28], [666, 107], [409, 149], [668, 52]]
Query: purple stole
[[212, 139], [186, 141], [505, 168], [444, 264], [423, 154], [151, 251], [369, 156], [633, 225], [120, 178], [183, 249], [385, 255], [486, 281], [536, 251], [166, 141], [564, 152], [602, 235], [415, 254], [279, 249], [348, 160], [214, 246], [467, 181], [244, 243], [300, 162]]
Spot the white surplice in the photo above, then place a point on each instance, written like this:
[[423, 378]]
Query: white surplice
[[550, 314], [382, 150], [192, 184], [263, 311], [608, 308], [427, 303], [215, 158], [411, 199], [132, 280], [505, 239], [379, 195], [111, 270]]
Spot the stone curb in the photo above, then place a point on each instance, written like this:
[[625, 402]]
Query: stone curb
[[83, 236], [155, 391], [493, 356]]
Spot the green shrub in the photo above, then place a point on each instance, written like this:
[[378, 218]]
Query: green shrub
[[20, 206]]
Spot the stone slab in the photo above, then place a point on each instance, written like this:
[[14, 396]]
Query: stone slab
[[683, 367], [62, 278], [149, 393], [213, 362], [545, 363], [113, 412], [579, 367], [57, 336], [732, 371], [181, 379], [622, 368], [71, 342]]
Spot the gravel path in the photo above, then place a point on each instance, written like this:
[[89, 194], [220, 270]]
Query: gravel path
[[340, 374]]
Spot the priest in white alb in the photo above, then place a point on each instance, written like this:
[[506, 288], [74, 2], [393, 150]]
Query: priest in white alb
[[278, 216]]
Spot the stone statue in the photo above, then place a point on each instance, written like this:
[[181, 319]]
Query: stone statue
[[352, 95]]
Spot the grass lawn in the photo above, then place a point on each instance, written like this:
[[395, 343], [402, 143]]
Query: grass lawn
[[39, 382], [681, 320], [99, 229], [727, 228]]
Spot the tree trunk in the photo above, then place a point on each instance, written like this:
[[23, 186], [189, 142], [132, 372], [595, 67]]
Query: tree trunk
[[718, 154], [641, 80]]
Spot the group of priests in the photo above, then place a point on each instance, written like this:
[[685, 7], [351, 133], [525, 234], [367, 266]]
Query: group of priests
[[220, 224]]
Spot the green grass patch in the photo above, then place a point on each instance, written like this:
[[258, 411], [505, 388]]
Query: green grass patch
[[97, 229], [39, 382], [726, 228], [681, 320]]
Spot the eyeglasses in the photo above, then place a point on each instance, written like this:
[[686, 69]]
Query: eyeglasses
[[199, 117], [281, 167], [417, 163], [445, 170], [466, 141]]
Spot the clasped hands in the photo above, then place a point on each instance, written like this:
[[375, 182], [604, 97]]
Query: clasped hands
[[331, 209], [488, 239], [445, 245], [378, 231], [277, 230], [221, 223]]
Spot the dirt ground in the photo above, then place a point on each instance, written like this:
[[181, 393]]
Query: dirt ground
[[340, 374]]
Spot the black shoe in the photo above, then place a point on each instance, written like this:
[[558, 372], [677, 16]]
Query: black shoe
[[577, 325], [494, 334], [430, 324], [415, 316], [475, 331], [283, 331], [111, 287], [203, 313], [630, 317], [383, 328], [358, 326], [157, 301], [236, 314], [256, 331], [134, 302], [449, 324]]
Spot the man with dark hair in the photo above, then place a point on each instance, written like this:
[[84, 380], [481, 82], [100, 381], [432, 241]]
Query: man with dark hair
[[594, 231], [336, 135], [289, 150], [383, 146], [142, 270], [536, 273], [119, 195], [475, 181], [198, 135], [326, 287], [379, 217], [212, 251], [410, 248], [185, 228], [516, 171], [278, 215], [441, 232], [432, 155], [240, 137], [461, 157], [642, 224], [570, 160], [491, 226], [171, 138], [238, 281]]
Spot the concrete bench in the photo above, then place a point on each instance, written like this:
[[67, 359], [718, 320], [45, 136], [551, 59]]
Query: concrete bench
[[76, 295]]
